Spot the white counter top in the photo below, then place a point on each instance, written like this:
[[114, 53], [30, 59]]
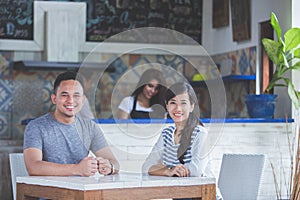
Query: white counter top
[[124, 180]]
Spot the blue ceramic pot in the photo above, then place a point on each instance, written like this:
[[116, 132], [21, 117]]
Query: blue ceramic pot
[[261, 106]]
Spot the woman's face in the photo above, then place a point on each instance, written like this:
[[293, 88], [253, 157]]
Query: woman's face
[[179, 107], [151, 89]]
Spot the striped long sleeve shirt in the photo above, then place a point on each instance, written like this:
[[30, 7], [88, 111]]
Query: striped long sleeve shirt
[[165, 152]]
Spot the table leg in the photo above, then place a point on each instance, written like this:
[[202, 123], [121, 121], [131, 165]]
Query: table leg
[[208, 192]]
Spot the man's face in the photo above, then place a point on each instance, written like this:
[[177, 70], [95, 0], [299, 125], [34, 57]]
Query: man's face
[[69, 98]]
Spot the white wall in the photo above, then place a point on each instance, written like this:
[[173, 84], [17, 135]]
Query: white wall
[[220, 40], [217, 41]]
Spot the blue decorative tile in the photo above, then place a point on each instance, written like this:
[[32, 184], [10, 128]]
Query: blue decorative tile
[[243, 63], [46, 94], [120, 68], [252, 60], [6, 95], [5, 64], [172, 61], [17, 128], [5, 125], [174, 67]]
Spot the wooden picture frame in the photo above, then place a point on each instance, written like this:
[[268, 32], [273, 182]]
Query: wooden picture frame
[[39, 24], [220, 13], [241, 19]]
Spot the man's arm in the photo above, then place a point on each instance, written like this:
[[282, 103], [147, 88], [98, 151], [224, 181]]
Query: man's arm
[[37, 167]]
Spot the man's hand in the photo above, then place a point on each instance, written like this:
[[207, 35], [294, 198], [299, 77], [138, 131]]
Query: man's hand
[[88, 166], [104, 166]]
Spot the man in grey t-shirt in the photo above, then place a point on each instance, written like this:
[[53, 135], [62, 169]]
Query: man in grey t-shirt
[[58, 143]]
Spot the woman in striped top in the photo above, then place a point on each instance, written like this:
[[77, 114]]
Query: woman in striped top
[[178, 151]]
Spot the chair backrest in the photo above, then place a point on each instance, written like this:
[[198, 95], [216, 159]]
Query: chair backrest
[[240, 176], [17, 168]]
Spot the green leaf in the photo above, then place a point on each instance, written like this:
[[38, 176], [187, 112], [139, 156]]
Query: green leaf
[[285, 54], [273, 49], [298, 94], [275, 25], [296, 65], [292, 94], [292, 38], [285, 60], [297, 53]]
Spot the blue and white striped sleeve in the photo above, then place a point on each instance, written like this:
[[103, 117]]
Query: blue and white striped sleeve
[[155, 157]]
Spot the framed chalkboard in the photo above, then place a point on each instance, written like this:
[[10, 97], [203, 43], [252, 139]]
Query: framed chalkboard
[[22, 25], [16, 19], [107, 18]]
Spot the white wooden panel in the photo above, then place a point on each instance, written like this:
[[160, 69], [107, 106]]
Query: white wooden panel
[[27, 55], [61, 42]]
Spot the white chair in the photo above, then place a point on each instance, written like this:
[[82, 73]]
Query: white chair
[[17, 168], [240, 176]]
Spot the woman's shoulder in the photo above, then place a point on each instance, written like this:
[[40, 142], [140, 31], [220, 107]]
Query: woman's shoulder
[[169, 129], [127, 100], [200, 130]]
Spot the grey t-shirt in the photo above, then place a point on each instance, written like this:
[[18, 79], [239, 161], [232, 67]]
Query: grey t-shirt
[[61, 143]]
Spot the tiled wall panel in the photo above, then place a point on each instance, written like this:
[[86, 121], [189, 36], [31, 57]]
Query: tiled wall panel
[[26, 93]]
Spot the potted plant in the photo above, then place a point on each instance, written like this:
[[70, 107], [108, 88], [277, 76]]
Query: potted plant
[[285, 54]]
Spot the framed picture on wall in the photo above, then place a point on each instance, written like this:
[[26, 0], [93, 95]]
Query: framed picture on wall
[[220, 13], [241, 19]]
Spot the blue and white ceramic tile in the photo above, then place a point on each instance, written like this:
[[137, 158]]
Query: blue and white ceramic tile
[[6, 95], [5, 125], [5, 64], [26, 94]]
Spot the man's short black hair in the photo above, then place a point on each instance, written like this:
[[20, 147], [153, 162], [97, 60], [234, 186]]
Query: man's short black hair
[[68, 75]]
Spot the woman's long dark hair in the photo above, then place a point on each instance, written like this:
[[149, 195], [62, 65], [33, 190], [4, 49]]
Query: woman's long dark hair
[[145, 78], [193, 119]]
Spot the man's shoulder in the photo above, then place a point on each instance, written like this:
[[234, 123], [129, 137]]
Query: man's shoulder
[[85, 122], [43, 119]]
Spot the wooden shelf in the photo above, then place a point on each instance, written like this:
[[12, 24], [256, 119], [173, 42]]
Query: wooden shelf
[[44, 65], [226, 78]]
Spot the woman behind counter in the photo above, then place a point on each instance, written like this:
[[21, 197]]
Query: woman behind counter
[[146, 101]]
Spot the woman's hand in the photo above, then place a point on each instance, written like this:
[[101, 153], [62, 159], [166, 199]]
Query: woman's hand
[[179, 170]]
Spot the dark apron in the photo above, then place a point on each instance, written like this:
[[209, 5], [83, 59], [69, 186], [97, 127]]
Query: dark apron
[[138, 114]]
